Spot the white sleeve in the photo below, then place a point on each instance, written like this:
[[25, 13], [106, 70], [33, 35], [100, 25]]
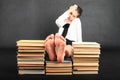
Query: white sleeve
[[60, 21], [79, 31], [75, 31]]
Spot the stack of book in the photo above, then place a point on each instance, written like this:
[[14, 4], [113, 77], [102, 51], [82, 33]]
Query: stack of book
[[56, 68], [86, 57], [30, 56]]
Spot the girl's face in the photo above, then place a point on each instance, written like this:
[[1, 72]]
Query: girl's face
[[73, 13]]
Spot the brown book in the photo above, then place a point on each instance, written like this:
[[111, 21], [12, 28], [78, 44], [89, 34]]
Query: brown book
[[31, 47], [84, 55], [30, 62], [85, 59], [30, 43], [28, 65], [30, 54], [86, 44], [66, 63], [85, 72], [76, 68], [86, 52], [58, 70], [85, 64], [31, 68], [21, 50], [30, 58], [62, 73], [31, 71], [56, 64], [40, 60]]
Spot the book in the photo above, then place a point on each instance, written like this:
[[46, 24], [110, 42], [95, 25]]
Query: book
[[31, 47], [21, 50], [62, 73], [31, 54], [29, 58], [30, 62], [56, 68], [86, 52], [76, 68], [85, 72], [31, 68], [84, 61], [31, 71], [85, 44], [66, 63], [29, 65], [30, 43], [85, 64], [82, 55]]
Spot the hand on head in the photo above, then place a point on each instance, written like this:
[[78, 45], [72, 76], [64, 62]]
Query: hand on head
[[72, 8], [72, 13]]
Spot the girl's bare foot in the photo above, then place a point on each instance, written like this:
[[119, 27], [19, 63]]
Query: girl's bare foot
[[50, 47], [60, 44]]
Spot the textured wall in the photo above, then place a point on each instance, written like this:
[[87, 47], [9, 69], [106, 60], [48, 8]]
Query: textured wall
[[35, 19]]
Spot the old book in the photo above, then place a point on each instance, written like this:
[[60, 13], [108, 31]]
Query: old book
[[31, 71], [56, 64], [31, 47], [86, 52], [21, 50], [30, 58], [31, 68], [30, 43], [28, 65], [30, 54], [85, 64], [30, 62], [42, 60], [84, 61], [62, 73], [58, 70], [84, 55], [85, 58], [86, 44], [65, 63], [85, 72], [76, 68]]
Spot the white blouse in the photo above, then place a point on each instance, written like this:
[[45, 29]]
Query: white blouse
[[74, 31]]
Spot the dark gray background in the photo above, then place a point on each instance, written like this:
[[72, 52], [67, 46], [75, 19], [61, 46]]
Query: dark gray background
[[35, 19]]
